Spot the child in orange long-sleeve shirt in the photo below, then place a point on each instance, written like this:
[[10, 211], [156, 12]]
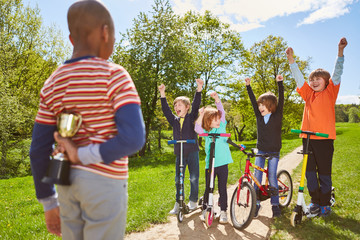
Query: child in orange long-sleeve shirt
[[319, 116]]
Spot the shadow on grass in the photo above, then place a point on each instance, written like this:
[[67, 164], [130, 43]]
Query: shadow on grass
[[318, 228]]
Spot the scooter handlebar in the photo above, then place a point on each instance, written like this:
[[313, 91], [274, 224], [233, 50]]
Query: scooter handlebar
[[215, 134], [183, 141], [325, 135]]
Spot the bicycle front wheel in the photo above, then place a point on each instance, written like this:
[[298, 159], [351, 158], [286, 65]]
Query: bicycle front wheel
[[285, 188], [242, 211]]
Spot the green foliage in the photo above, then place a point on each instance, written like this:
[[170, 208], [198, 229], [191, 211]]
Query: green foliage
[[354, 115], [29, 52]]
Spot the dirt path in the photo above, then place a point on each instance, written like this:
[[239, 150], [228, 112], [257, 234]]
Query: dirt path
[[193, 228]]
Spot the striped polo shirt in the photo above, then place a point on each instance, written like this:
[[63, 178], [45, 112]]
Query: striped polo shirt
[[95, 89]]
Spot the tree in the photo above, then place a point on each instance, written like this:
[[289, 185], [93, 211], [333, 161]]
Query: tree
[[154, 52], [264, 61], [354, 113], [29, 52], [218, 48]]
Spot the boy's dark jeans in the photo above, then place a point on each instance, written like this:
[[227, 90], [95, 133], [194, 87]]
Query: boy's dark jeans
[[192, 161]]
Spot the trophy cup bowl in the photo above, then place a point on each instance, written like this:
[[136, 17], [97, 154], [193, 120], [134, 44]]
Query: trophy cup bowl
[[58, 171]]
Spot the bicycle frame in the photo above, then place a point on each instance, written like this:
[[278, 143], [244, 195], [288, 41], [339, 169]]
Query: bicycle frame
[[250, 177]]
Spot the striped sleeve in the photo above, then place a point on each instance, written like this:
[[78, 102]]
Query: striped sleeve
[[121, 89]]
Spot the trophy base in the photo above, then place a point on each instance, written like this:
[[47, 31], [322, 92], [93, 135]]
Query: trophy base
[[58, 172]]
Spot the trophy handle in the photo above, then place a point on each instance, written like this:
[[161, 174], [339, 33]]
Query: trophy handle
[[80, 121]]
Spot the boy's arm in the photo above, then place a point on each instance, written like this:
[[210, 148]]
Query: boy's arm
[[197, 99], [299, 78], [253, 100], [279, 80], [165, 106], [336, 76]]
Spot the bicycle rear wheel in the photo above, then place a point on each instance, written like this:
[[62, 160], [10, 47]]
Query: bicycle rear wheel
[[285, 188], [242, 212]]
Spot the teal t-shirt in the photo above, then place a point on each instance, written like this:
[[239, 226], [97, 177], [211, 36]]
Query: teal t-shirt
[[222, 150]]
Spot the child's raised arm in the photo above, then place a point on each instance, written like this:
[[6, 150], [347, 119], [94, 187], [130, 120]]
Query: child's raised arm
[[200, 84], [339, 65], [219, 105], [198, 129], [290, 55], [299, 78], [162, 90], [342, 44]]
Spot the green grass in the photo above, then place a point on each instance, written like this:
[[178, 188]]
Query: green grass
[[152, 194], [344, 221]]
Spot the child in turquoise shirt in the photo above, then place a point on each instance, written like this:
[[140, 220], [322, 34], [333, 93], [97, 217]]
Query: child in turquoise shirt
[[212, 120]]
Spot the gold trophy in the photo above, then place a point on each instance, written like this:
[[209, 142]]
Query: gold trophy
[[58, 171]]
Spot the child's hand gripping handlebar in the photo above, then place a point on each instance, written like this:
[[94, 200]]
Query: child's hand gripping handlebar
[[182, 141], [214, 135], [310, 133]]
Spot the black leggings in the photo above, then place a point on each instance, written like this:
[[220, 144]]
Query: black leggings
[[222, 175]]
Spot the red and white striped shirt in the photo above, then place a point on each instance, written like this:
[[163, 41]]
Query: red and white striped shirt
[[96, 89]]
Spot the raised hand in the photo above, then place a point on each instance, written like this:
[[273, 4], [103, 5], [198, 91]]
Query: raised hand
[[290, 55], [247, 81], [342, 44], [215, 96], [200, 84], [162, 90], [279, 78]]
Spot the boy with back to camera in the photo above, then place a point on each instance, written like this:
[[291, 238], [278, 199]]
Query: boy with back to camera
[[319, 116], [183, 129], [94, 205], [269, 113]]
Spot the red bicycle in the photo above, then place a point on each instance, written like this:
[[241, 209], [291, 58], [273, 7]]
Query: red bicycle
[[243, 201]]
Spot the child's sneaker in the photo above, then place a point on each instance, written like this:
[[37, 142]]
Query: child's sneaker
[[325, 211], [203, 215], [314, 209], [258, 206], [276, 211], [223, 217], [176, 209], [192, 205]]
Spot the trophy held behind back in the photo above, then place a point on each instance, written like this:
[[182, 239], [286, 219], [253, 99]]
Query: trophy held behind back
[[58, 171]]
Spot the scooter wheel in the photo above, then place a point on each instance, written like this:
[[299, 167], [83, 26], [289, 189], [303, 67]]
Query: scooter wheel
[[295, 219], [209, 217], [180, 216]]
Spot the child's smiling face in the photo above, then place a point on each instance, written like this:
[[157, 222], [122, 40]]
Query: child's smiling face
[[215, 123], [317, 84], [263, 109], [181, 109]]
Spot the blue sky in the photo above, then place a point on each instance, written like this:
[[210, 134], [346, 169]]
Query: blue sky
[[312, 28]]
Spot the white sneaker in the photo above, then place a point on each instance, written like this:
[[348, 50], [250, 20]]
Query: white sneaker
[[192, 205], [203, 215], [176, 209], [223, 217]]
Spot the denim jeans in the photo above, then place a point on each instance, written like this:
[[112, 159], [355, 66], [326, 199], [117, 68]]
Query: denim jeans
[[192, 161], [272, 171]]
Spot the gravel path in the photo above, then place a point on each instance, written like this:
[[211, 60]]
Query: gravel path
[[193, 228]]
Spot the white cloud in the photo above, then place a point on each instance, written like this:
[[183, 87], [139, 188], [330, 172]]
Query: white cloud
[[348, 99], [244, 15]]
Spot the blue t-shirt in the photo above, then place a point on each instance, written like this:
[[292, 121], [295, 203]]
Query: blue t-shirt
[[222, 150]]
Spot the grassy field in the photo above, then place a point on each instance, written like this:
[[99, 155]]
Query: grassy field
[[344, 221], [152, 194]]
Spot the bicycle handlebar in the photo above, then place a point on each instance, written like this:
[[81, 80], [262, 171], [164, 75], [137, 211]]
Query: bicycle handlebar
[[182, 141], [325, 135], [242, 147], [214, 135]]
